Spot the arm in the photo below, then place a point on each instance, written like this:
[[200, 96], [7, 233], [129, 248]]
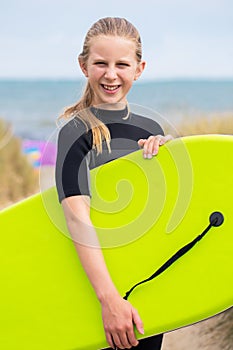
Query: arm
[[118, 314]]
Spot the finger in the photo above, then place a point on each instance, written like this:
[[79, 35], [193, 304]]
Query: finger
[[151, 146], [161, 141], [147, 147], [141, 142], [125, 341], [156, 145], [132, 339], [137, 321], [110, 340], [152, 141], [117, 341]]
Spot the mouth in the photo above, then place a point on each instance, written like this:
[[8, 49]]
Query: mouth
[[110, 88]]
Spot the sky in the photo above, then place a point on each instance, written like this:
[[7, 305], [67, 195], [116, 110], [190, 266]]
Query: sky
[[181, 39]]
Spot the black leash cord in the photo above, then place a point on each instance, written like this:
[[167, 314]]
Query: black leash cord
[[216, 219]]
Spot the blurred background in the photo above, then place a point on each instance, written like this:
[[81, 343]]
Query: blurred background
[[188, 47], [188, 80]]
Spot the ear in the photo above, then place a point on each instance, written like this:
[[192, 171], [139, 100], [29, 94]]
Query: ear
[[140, 68], [82, 65]]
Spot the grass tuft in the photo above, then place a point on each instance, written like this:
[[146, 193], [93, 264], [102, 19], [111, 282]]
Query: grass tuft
[[216, 124], [18, 179]]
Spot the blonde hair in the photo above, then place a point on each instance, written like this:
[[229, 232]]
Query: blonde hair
[[109, 26]]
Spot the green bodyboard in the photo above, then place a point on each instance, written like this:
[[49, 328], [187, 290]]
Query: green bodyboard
[[144, 211]]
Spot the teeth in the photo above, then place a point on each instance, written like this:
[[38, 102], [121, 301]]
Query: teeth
[[111, 88]]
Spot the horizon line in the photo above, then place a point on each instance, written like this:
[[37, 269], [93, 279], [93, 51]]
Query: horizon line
[[142, 80]]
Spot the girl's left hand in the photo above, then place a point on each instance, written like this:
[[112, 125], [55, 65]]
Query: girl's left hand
[[151, 145]]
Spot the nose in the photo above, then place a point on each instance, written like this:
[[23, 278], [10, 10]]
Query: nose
[[110, 73]]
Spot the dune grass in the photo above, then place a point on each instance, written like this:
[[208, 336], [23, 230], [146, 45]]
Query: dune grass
[[18, 179], [214, 124]]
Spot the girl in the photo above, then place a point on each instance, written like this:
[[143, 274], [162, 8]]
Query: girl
[[102, 129]]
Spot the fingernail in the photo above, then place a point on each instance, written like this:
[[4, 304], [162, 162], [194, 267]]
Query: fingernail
[[149, 156], [145, 155]]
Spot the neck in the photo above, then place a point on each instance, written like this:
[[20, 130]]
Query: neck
[[111, 106]]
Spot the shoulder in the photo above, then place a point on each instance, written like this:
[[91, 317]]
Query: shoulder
[[74, 133], [72, 127], [147, 123], [74, 130]]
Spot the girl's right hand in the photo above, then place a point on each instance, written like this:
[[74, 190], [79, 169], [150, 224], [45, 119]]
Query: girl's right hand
[[119, 317]]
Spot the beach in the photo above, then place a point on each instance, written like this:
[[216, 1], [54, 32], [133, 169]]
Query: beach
[[212, 334]]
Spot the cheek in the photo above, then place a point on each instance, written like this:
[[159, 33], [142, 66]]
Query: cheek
[[128, 76], [132, 78], [95, 73]]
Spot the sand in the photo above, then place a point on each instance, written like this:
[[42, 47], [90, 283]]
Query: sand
[[211, 334], [187, 338]]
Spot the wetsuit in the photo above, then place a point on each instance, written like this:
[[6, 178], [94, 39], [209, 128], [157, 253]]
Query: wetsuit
[[76, 157]]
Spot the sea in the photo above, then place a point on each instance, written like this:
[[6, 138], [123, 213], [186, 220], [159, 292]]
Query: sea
[[33, 106]]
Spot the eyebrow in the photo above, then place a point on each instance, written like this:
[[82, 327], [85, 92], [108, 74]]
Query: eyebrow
[[120, 60], [123, 60]]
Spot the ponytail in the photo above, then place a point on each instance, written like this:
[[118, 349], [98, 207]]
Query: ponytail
[[81, 110]]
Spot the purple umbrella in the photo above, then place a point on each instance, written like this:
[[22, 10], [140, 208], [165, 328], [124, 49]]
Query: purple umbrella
[[40, 152]]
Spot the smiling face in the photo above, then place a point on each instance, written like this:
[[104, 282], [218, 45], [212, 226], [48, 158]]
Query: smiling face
[[111, 68]]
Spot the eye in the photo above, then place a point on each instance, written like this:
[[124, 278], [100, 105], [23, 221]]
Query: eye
[[100, 63], [123, 64]]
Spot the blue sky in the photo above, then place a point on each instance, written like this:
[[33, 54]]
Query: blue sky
[[181, 39]]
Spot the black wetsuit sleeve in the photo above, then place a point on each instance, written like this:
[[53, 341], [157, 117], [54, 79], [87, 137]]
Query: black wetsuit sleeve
[[75, 156], [72, 165]]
